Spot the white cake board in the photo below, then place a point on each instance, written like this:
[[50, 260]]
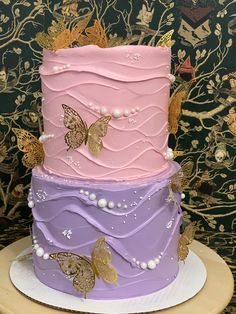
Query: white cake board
[[190, 280]]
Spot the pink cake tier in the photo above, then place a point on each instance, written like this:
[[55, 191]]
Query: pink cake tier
[[129, 83]]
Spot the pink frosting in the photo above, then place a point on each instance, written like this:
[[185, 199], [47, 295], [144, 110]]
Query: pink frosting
[[124, 78]]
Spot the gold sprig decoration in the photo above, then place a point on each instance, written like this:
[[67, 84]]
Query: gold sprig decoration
[[60, 37], [79, 132], [185, 239], [84, 270], [30, 145], [166, 40]]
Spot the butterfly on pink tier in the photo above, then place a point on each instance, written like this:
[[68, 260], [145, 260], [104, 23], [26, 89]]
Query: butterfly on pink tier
[[79, 132]]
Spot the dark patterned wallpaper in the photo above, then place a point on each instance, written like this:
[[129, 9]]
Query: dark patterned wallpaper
[[202, 105]]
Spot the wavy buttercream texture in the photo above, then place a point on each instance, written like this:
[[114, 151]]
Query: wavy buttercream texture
[[142, 225], [124, 78]]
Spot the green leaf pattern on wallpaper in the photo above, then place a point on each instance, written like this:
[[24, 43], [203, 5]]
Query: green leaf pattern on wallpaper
[[202, 105]]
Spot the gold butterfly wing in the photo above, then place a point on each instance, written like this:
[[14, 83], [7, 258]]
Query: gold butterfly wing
[[62, 40], [101, 259], [44, 40], [79, 268], [79, 130], [185, 239], [96, 131], [165, 41], [30, 145]]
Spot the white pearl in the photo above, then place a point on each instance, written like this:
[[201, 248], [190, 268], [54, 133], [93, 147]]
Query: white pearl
[[137, 263], [36, 246], [92, 197], [55, 68], [81, 191], [134, 259], [102, 203], [151, 264], [103, 110], [40, 252], [133, 110], [45, 256], [137, 109], [111, 205], [86, 193], [31, 204], [143, 265], [169, 154], [182, 196], [172, 78], [119, 205], [126, 113], [117, 113], [35, 241], [125, 206], [157, 260]]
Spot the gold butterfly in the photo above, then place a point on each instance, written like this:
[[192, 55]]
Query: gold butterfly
[[95, 35], [84, 270], [30, 145], [165, 41], [179, 181], [185, 239], [81, 133], [59, 36]]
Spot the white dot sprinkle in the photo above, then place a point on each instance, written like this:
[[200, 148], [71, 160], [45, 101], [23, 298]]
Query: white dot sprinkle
[[124, 221], [125, 206]]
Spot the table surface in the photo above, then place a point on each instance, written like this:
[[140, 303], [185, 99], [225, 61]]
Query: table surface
[[212, 299]]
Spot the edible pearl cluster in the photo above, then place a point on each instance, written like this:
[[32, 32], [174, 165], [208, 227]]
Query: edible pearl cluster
[[30, 199], [60, 68], [116, 113], [151, 264], [45, 137], [102, 202], [169, 155], [39, 251]]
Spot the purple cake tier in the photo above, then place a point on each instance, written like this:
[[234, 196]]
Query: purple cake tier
[[139, 221]]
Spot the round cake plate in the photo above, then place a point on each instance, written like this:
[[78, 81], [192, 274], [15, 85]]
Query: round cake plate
[[190, 280]]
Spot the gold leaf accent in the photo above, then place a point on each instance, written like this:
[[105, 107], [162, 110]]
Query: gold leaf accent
[[95, 35], [80, 133], [60, 37], [165, 41], [185, 239], [84, 271], [30, 145]]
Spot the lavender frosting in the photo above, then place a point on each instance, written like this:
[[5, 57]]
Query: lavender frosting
[[139, 222]]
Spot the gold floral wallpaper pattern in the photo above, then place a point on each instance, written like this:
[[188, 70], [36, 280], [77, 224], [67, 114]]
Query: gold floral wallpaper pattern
[[202, 104]]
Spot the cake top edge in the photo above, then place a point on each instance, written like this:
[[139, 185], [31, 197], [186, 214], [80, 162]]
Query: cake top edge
[[95, 48]]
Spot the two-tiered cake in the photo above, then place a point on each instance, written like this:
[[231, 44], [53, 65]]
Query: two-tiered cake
[[106, 222]]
